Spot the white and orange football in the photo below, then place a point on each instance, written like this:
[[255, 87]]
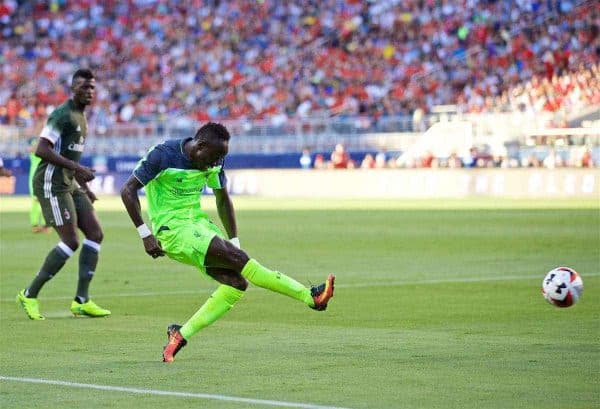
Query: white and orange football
[[562, 287]]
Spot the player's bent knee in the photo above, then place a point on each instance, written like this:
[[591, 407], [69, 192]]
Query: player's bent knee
[[96, 236], [237, 282], [222, 253], [72, 243], [239, 258], [228, 277], [242, 284]]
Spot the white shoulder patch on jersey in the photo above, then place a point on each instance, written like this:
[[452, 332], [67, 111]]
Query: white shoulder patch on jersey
[[50, 133]]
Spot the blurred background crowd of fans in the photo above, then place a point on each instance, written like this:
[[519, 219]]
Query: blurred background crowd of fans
[[340, 158], [278, 60]]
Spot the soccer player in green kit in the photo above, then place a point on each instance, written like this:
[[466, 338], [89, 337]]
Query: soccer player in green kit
[[174, 174], [60, 184], [35, 212]]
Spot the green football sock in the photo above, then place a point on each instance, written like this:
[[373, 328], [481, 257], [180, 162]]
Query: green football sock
[[214, 308], [57, 258], [261, 276], [88, 260], [35, 213]]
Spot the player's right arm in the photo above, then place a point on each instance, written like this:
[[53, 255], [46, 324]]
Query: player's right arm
[[145, 171], [45, 150], [131, 200]]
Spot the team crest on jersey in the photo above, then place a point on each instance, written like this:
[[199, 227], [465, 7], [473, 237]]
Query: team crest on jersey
[[67, 214]]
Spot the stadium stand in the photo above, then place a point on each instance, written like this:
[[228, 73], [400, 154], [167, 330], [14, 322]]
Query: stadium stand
[[277, 60], [284, 75]]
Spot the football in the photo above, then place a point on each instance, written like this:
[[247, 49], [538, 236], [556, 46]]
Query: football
[[562, 287]]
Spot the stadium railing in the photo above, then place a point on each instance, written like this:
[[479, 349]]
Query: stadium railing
[[322, 133]]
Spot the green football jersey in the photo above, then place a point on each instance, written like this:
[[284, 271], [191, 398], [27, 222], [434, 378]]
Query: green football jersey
[[66, 128], [173, 186]]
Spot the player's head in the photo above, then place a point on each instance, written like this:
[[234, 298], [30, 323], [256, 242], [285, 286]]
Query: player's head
[[83, 86], [209, 146]]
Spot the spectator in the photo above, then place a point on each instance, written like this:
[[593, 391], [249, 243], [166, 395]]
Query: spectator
[[319, 162], [7, 180], [531, 161], [454, 161], [4, 172], [553, 160], [427, 160], [305, 159], [381, 159], [368, 162], [470, 159], [340, 159], [587, 161]]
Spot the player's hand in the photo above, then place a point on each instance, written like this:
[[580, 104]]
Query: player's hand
[[153, 247], [91, 195], [83, 173]]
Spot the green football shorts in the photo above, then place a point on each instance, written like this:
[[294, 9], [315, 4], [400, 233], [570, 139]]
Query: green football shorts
[[63, 208], [188, 243]]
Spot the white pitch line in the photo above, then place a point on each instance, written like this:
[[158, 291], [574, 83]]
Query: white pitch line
[[264, 402], [396, 283]]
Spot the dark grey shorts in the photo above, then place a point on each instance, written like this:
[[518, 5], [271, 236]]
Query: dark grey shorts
[[63, 208]]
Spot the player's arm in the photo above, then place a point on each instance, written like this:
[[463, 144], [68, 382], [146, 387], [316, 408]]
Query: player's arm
[[131, 200], [226, 213], [84, 186], [45, 150]]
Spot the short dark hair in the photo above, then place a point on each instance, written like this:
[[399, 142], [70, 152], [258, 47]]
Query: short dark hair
[[212, 130], [85, 73]]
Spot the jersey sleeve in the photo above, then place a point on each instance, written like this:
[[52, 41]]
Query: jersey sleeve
[[149, 166], [217, 179], [53, 129]]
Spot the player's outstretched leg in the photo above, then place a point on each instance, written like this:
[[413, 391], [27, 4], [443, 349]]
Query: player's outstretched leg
[[322, 293], [220, 301], [315, 297], [175, 342]]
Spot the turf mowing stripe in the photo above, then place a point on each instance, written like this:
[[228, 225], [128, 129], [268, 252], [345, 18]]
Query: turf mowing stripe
[[359, 285], [140, 391], [448, 280]]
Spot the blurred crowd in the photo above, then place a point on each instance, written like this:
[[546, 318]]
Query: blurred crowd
[[276, 60], [570, 92], [476, 157]]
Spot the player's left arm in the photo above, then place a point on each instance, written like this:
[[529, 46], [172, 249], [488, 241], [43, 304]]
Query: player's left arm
[[226, 213]]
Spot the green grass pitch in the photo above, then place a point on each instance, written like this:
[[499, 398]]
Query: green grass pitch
[[437, 305]]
